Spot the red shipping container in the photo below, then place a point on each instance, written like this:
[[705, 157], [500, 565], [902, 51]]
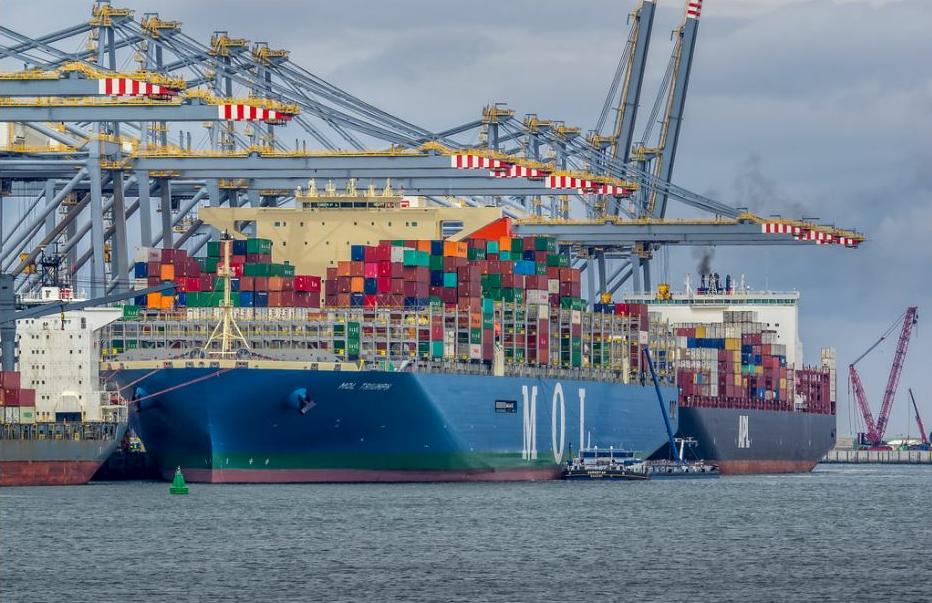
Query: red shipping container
[[398, 286], [167, 253], [152, 281], [27, 397], [436, 332], [343, 300], [358, 269], [312, 300], [448, 295], [554, 299], [247, 283], [437, 291], [370, 301], [383, 284], [276, 283], [415, 289], [371, 269], [181, 269], [506, 267], [192, 283], [330, 287], [153, 269], [288, 299], [566, 289], [261, 283], [287, 283], [11, 396], [275, 299], [495, 267], [344, 284], [331, 274], [193, 268], [576, 291], [9, 379], [306, 282], [263, 258]]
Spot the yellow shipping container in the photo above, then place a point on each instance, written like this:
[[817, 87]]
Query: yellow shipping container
[[700, 331], [732, 343], [758, 370], [782, 384], [737, 358], [738, 380]]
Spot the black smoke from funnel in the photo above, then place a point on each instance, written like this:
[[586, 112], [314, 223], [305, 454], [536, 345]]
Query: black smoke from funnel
[[704, 255], [762, 195]]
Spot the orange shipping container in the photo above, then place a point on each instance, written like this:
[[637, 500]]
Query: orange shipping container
[[504, 244], [154, 300], [167, 272], [168, 301], [276, 283], [423, 245], [343, 268], [357, 284]]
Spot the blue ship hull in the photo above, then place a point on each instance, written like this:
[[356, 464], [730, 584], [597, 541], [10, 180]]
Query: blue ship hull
[[289, 425]]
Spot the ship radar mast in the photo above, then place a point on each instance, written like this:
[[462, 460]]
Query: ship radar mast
[[226, 330]]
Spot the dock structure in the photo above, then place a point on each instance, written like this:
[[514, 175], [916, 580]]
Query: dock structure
[[885, 457]]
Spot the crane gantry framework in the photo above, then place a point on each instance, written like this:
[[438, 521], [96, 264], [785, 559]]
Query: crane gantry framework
[[107, 165]]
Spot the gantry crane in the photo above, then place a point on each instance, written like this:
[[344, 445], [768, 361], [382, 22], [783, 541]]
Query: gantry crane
[[116, 171], [873, 436]]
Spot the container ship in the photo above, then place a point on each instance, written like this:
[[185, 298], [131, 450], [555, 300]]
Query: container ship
[[745, 395], [409, 360], [57, 427]]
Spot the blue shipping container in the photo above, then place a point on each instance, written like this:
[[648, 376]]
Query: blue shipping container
[[357, 253], [140, 270]]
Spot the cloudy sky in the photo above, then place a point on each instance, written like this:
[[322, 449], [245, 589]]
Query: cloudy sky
[[813, 107]]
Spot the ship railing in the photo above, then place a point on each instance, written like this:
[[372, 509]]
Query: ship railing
[[59, 431]]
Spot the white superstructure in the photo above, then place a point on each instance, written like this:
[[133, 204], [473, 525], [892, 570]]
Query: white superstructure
[[59, 357]]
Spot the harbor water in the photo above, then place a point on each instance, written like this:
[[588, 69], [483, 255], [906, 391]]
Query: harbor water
[[842, 533]]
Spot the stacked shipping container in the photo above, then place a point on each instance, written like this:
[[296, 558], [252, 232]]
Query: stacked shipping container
[[738, 364], [257, 282], [17, 404]]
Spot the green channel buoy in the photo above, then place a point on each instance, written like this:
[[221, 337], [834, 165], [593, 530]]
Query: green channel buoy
[[178, 486]]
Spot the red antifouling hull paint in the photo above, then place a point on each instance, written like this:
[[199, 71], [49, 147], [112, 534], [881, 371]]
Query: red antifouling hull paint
[[750, 467], [47, 473]]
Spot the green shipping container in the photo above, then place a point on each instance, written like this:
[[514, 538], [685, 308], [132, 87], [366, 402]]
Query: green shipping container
[[436, 349], [487, 321], [511, 294], [256, 269], [475, 254], [449, 279], [517, 245], [547, 244], [213, 249], [352, 331], [410, 257], [208, 264], [288, 269], [488, 305], [130, 311], [505, 255], [276, 270], [491, 247], [553, 260], [263, 246], [422, 258], [436, 262], [475, 335]]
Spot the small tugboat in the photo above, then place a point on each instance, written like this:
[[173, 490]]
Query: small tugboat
[[611, 464]]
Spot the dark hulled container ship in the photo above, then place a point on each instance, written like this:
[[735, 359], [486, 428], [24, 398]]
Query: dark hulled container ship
[[742, 395]]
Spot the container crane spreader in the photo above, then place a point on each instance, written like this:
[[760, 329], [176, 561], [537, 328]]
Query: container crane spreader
[[873, 437]]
